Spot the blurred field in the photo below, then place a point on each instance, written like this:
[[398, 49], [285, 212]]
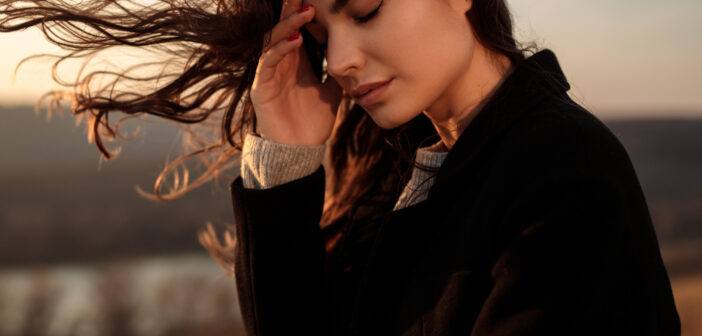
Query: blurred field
[[177, 295], [65, 225], [64, 209], [688, 299]]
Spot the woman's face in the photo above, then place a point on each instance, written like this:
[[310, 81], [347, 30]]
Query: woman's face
[[420, 46]]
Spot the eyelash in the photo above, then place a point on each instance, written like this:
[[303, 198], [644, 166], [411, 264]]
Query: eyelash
[[370, 16]]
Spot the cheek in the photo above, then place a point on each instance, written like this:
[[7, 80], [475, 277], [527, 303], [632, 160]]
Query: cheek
[[404, 36], [419, 35], [426, 51]]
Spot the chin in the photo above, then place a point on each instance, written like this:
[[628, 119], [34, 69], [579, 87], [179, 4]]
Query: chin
[[387, 125], [389, 117], [383, 121]]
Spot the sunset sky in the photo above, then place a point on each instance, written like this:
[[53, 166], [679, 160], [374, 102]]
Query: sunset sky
[[623, 58]]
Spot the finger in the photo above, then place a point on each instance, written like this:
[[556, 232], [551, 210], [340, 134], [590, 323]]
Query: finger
[[290, 25], [274, 55], [289, 8]]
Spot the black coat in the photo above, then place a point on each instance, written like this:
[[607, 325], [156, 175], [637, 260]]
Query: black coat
[[536, 224]]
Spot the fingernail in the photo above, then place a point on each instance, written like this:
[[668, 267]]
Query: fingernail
[[304, 9], [294, 37]]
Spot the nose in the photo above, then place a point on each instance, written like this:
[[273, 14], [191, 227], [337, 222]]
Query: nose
[[344, 56]]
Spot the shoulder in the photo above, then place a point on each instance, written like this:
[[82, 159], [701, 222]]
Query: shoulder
[[558, 151], [561, 133]]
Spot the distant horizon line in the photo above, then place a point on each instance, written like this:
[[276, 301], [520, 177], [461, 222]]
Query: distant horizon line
[[629, 113]]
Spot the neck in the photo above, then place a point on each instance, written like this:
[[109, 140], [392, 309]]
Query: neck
[[462, 101]]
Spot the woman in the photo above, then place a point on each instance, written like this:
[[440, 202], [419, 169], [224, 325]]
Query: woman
[[523, 215]]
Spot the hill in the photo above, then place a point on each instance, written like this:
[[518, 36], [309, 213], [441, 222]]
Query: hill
[[55, 206]]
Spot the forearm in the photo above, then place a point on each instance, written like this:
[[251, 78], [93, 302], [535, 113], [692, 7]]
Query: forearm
[[266, 164]]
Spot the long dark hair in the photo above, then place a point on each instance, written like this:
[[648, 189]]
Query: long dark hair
[[217, 44]]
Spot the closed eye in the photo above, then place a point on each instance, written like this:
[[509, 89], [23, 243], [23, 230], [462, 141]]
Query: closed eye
[[370, 16], [361, 20]]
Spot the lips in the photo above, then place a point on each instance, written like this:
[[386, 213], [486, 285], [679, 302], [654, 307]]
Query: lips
[[369, 95], [365, 88]]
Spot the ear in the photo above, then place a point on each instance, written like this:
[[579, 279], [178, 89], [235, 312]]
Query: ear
[[462, 6]]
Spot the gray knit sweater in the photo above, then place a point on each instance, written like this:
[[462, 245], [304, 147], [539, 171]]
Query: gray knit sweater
[[266, 164]]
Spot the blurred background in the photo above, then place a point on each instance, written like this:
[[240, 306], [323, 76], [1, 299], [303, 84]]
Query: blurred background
[[81, 253]]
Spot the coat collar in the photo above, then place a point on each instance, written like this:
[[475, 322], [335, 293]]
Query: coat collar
[[404, 234], [535, 79]]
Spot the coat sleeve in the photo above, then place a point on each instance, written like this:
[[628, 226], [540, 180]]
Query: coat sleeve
[[279, 255], [581, 259]]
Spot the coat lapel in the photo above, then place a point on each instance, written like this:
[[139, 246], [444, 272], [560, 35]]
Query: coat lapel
[[404, 235], [398, 246], [536, 78]]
